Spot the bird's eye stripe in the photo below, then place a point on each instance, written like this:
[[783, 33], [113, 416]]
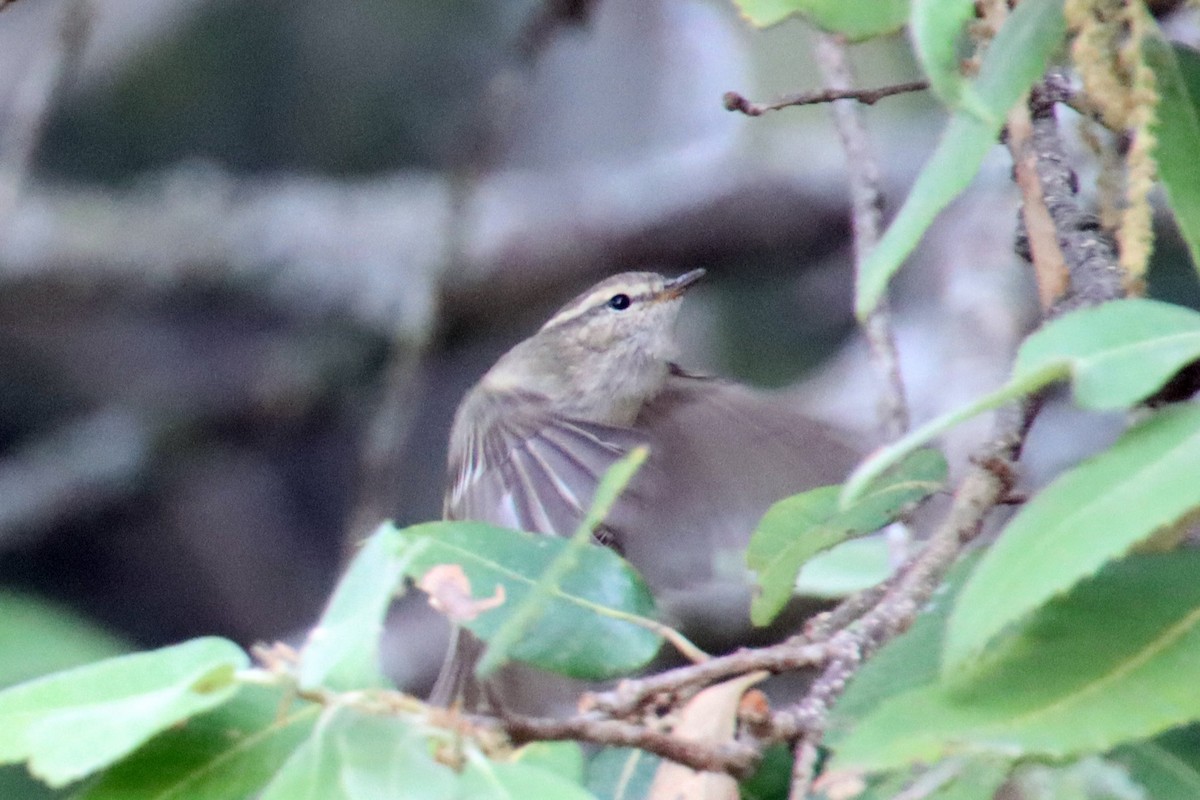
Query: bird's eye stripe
[[597, 302]]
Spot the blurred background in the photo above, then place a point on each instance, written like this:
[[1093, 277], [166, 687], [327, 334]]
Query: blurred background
[[252, 254]]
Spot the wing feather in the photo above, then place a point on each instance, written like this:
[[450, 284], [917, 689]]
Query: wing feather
[[521, 467]]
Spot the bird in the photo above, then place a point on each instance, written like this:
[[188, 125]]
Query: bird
[[532, 438]]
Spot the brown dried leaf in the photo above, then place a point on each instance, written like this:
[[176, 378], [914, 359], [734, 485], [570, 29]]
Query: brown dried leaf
[[709, 717], [449, 592]]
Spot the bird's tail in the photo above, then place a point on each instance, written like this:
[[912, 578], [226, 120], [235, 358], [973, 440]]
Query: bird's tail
[[456, 683]]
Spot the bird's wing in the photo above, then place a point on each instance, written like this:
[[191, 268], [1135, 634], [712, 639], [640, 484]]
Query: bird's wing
[[721, 454], [521, 467]]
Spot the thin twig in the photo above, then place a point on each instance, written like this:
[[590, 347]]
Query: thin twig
[[736, 102], [735, 758], [1081, 104], [630, 696], [682, 644], [822, 626], [867, 204]]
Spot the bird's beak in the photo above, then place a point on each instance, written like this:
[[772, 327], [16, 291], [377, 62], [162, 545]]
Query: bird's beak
[[677, 286]]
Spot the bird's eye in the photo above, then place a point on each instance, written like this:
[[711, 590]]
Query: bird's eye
[[619, 302]]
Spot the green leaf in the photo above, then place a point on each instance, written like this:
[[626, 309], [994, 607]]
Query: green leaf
[[497, 780], [1189, 69], [949, 779], [773, 778], [615, 479], [798, 527], [70, 724], [974, 779], [1091, 778], [229, 753], [343, 649], [1087, 517], [1177, 129], [951, 168], [567, 606], [17, 784], [855, 19], [767, 12], [936, 28], [845, 569], [584, 628], [38, 637], [1014, 60], [535, 604], [621, 773], [880, 787], [1167, 766], [564, 759], [352, 755], [1115, 355], [1112, 662]]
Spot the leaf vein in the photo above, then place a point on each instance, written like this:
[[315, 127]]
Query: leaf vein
[[1153, 648]]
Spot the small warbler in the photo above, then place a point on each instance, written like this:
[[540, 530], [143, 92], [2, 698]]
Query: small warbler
[[530, 441]]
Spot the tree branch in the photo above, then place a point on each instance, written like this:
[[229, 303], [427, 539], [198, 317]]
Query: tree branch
[[981, 490], [1050, 266], [632, 695], [803, 723], [1090, 254], [866, 202], [735, 758], [736, 102], [1096, 278]]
